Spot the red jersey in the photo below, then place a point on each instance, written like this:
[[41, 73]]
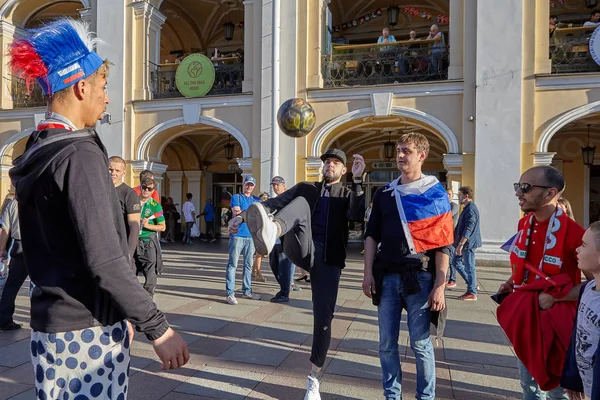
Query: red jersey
[[573, 238]]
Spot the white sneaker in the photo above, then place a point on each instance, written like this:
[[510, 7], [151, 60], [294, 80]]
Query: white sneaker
[[312, 389], [231, 300], [262, 228], [251, 296]]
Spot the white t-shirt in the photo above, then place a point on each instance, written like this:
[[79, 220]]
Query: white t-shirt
[[188, 209], [588, 334]]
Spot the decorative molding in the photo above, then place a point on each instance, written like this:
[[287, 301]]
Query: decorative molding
[[543, 158], [245, 164], [4, 169], [447, 135], [12, 140], [248, 2], [192, 113], [237, 100], [141, 9], [86, 14], [21, 113], [567, 81], [7, 29], [146, 139], [156, 167], [563, 119], [401, 90], [452, 173], [382, 104], [452, 161], [175, 176], [314, 167], [193, 176]]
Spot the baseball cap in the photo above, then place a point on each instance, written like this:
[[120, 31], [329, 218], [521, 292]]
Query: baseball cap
[[250, 179], [335, 153], [277, 180]]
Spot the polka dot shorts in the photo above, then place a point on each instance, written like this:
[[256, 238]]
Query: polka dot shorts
[[87, 364]]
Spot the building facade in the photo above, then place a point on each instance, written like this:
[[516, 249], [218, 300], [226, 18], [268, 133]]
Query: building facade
[[497, 95]]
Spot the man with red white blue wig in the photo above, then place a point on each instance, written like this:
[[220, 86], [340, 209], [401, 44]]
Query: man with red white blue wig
[[86, 296], [407, 246]]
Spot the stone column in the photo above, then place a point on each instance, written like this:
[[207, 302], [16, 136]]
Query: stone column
[[316, 13], [146, 46], [193, 180], [245, 165], [8, 32], [453, 165], [543, 64], [499, 120], [314, 169], [455, 40], [175, 187], [249, 53], [543, 158]]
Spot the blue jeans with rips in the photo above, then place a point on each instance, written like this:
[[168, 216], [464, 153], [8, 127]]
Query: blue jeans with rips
[[245, 247], [393, 300]]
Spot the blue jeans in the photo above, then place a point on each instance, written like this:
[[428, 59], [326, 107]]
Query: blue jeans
[[245, 247], [465, 266], [451, 275], [389, 315], [532, 391]]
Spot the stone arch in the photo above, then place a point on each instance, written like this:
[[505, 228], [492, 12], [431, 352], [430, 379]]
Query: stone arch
[[146, 139], [438, 126], [10, 6], [9, 144], [563, 119]]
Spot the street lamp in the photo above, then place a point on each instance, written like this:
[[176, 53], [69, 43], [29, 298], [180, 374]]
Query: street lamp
[[392, 13], [591, 4], [388, 147], [229, 147], [588, 152]]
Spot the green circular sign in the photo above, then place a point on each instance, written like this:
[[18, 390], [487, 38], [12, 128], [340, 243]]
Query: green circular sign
[[195, 76]]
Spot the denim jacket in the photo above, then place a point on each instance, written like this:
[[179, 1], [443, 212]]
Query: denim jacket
[[468, 227]]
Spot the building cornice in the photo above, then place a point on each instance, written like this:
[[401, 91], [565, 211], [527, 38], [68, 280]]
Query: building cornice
[[239, 100], [401, 90], [567, 81]]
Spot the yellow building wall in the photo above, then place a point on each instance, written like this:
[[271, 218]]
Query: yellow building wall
[[574, 172]]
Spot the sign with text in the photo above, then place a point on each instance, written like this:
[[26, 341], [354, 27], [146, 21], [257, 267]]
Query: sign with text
[[595, 46], [195, 75]]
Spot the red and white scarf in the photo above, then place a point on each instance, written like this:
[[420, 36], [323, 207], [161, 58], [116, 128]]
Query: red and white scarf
[[551, 262]]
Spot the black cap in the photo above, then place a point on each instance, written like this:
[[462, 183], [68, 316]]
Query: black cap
[[335, 153], [277, 180]]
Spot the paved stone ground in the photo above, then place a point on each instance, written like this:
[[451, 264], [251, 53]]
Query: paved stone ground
[[260, 350]]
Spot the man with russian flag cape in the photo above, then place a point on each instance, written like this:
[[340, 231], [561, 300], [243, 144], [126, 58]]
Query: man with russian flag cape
[[72, 229], [407, 246]]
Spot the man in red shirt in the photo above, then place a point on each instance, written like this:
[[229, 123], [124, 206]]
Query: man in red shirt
[[548, 240], [143, 175]]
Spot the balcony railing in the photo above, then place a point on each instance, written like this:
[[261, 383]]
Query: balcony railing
[[363, 65], [21, 98], [570, 51], [228, 80]]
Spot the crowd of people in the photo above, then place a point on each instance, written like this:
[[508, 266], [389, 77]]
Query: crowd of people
[[86, 300]]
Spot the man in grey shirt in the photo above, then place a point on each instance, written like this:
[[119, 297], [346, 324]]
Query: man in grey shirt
[[454, 209], [17, 271]]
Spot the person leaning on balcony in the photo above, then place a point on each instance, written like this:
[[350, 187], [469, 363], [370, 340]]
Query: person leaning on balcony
[[553, 24], [438, 50], [386, 38], [594, 19]]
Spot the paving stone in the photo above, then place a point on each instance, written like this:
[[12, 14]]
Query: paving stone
[[355, 363], [221, 383], [491, 354], [274, 387], [153, 383], [226, 311], [344, 388], [26, 395], [10, 388], [21, 374], [16, 335], [275, 334], [15, 354], [254, 353]]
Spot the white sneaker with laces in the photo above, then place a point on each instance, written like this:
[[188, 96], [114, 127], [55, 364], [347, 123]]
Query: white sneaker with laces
[[262, 228], [252, 296], [312, 389], [231, 300]]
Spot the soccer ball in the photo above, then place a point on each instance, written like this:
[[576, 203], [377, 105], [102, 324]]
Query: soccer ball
[[296, 118]]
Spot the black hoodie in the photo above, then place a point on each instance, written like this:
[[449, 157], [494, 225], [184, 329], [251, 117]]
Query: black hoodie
[[74, 237]]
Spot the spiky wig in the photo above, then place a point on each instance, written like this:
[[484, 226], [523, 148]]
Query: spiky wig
[[57, 55]]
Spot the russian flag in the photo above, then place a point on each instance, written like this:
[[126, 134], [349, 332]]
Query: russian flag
[[425, 213]]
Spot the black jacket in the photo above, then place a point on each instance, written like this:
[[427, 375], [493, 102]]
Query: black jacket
[[74, 237], [345, 205]]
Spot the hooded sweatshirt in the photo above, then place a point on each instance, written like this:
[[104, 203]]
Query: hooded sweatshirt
[[74, 238]]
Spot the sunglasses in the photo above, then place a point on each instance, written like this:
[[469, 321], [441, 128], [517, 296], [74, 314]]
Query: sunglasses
[[526, 187], [148, 188]]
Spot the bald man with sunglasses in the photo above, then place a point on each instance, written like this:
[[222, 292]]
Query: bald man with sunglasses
[[553, 252]]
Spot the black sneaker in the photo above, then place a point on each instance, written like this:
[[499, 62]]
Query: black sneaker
[[11, 326], [280, 299]]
